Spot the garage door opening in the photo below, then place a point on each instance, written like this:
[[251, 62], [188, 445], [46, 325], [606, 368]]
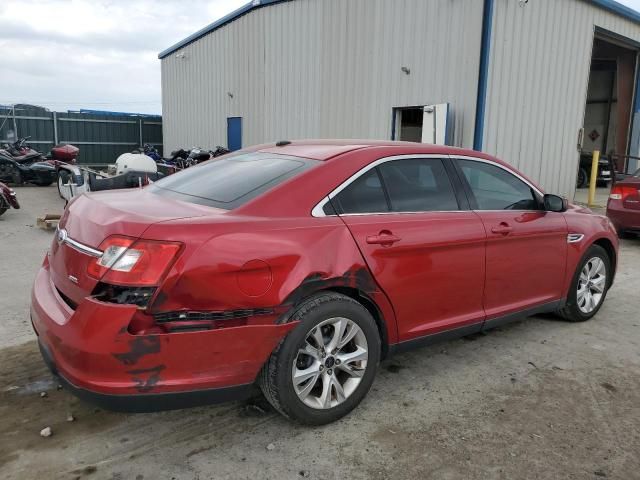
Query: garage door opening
[[607, 114]]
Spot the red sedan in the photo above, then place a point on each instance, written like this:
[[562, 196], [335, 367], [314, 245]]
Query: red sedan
[[298, 266], [623, 207]]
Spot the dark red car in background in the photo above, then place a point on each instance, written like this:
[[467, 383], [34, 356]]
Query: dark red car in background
[[299, 266], [623, 206]]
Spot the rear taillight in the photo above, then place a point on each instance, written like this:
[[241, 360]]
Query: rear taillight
[[620, 192], [126, 261]]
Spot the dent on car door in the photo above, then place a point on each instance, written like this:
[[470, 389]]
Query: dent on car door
[[526, 246], [424, 250]]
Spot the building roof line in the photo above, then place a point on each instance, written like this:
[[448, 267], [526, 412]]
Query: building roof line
[[609, 5], [243, 10]]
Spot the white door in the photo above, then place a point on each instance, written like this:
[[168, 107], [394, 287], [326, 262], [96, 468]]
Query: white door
[[435, 124]]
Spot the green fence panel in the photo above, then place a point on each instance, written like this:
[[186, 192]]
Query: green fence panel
[[100, 138]]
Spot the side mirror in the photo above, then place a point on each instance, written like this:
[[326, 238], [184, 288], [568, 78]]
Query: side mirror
[[555, 203]]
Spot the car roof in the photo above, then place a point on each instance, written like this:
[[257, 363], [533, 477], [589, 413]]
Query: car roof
[[327, 149]]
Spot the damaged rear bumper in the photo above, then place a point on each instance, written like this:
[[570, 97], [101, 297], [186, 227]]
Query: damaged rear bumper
[[148, 402], [95, 356]]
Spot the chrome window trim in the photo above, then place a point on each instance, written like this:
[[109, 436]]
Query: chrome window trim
[[80, 247], [318, 211]]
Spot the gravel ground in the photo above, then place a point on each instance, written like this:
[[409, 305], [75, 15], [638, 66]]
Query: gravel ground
[[540, 398]]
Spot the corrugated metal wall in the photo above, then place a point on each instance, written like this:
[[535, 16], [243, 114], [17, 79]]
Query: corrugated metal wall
[[100, 138], [538, 79], [324, 68]]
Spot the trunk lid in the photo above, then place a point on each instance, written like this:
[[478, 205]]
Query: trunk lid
[[91, 218], [631, 201]]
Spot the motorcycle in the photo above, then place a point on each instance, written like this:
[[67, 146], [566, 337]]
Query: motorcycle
[[19, 163], [7, 199], [198, 155], [38, 173], [21, 152]]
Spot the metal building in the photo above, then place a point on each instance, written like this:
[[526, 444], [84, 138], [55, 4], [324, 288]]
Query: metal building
[[535, 82]]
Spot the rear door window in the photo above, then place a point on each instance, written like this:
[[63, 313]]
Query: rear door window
[[231, 181], [418, 185], [402, 186], [364, 195]]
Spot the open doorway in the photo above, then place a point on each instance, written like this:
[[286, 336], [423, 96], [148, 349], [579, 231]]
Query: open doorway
[[607, 117], [423, 124], [408, 124]]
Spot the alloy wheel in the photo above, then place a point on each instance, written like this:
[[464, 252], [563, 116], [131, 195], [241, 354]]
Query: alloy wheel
[[591, 285], [330, 364]]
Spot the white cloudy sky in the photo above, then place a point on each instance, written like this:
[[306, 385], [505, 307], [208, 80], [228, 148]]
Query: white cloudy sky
[[99, 54]]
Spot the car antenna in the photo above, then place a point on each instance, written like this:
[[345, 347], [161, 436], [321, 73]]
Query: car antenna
[[283, 143]]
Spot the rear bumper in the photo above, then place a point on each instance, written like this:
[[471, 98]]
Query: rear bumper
[[148, 402], [93, 353], [623, 218]]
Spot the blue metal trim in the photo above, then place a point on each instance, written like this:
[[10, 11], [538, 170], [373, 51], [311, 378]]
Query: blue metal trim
[[619, 9], [253, 5], [394, 114], [485, 50]]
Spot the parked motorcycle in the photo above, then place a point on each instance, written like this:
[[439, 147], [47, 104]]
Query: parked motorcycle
[[21, 152], [38, 173], [198, 155], [19, 163], [7, 198]]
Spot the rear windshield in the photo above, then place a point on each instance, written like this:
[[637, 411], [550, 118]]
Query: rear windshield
[[231, 181]]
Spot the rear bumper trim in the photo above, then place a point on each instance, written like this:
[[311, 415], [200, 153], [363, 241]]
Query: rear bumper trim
[[148, 402]]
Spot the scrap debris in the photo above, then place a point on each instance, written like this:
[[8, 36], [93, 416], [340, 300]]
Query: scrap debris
[[46, 432], [48, 222]]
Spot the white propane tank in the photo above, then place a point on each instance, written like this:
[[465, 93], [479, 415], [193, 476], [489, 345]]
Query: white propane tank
[[137, 162]]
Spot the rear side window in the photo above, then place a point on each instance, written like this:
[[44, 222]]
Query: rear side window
[[408, 185], [418, 185], [231, 181], [364, 195]]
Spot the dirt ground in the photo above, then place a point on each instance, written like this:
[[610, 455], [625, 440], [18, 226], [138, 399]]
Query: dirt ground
[[539, 399]]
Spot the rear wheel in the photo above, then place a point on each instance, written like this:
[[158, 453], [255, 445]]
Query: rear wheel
[[326, 365], [589, 286]]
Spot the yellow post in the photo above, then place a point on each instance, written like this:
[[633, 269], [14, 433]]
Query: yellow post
[[594, 177]]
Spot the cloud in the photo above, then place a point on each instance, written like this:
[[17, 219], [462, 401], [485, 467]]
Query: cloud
[[70, 54]]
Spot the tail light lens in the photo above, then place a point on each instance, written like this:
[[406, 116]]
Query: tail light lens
[[620, 192], [126, 261]]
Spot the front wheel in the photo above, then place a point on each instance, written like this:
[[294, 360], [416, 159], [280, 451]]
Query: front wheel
[[326, 365], [589, 286]]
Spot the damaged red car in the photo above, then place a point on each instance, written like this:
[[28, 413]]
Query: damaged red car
[[298, 267]]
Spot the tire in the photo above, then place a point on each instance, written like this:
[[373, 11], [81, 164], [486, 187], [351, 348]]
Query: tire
[[17, 177], [315, 316], [582, 178], [43, 183], [576, 310]]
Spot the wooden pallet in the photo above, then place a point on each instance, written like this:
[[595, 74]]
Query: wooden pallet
[[48, 222]]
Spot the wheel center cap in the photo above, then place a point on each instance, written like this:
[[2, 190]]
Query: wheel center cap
[[329, 362]]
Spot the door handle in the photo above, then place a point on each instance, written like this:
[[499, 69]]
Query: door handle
[[503, 228], [385, 238]]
